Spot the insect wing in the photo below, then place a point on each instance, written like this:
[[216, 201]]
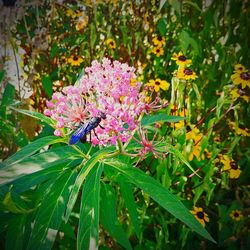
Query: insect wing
[[79, 133]]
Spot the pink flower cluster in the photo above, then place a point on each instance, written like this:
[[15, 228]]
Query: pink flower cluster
[[108, 87]]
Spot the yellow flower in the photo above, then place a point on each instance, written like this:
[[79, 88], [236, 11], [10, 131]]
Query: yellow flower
[[75, 60], [111, 43], [239, 68], [180, 124], [181, 59], [236, 215], [195, 135], [234, 93], [69, 12], [158, 41], [133, 82], [239, 131], [209, 154], [158, 84], [186, 74], [158, 51], [201, 216], [64, 60], [241, 76], [242, 131], [196, 152], [231, 167], [73, 14], [245, 98]]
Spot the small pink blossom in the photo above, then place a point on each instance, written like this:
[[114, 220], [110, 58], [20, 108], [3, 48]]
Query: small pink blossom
[[58, 132]]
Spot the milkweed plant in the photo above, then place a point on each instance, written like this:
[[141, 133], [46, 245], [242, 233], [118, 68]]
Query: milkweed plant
[[109, 87]]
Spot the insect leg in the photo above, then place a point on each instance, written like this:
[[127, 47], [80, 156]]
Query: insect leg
[[96, 134], [90, 136], [101, 126]]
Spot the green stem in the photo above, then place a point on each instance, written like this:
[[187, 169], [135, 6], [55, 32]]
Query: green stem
[[80, 152]]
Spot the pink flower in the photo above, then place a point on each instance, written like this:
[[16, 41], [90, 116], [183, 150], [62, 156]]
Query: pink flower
[[58, 132], [108, 87]]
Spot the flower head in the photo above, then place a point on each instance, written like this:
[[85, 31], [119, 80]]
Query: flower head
[[231, 167], [239, 131], [186, 74], [200, 215], [158, 84], [239, 68], [236, 215], [148, 146], [73, 14], [111, 43], [234, 94], [158, 41], [75, 60], [241, 76], [181, 59], [158, 51], [105, 87]]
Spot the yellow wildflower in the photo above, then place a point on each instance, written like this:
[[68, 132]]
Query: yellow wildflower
[[231, 167], [181, 59], [236, 215], [194, 134], [186, 74], [239, 68], [239, 131], [200, 215], [75, 60], [111, 43], [241, 76], [158, 41], [158, 84], [158, 51]]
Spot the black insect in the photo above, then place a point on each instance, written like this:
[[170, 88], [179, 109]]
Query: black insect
[[85, 128]]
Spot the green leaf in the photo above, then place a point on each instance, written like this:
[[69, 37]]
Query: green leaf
[[36, 115], [54, 50], [162, 26], [88, 230], [147, 120], [108, 216], [47, 85], [28, 181], [81, 177], [30, 149], [13, 206], [186, 40], [8, 95], [160, 194], [16, 230], [2, 73], [177, 153], [50, 213], [93, 35], [38, 162], [127, 194]]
